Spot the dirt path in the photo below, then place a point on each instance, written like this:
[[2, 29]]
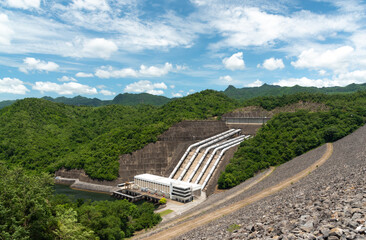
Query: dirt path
[[182, 228]]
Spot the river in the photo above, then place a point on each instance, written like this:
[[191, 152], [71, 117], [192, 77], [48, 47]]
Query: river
[[75, 194]]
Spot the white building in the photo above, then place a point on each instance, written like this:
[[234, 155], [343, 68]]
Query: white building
[[170, 188]]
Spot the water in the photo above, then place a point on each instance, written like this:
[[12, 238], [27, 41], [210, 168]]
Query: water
[[76, 194]]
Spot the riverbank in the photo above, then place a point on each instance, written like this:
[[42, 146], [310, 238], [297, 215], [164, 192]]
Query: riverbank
[[84, 186]]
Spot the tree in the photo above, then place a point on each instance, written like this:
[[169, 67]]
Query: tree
[[162, 201]]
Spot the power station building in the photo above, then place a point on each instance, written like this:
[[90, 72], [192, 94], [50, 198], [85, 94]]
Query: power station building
[[167, 187]]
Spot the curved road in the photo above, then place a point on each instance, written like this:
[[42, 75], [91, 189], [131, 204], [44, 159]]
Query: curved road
[[181, 228]]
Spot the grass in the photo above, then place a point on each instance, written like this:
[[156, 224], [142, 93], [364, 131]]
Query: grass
[[165, 212], [233, 227]]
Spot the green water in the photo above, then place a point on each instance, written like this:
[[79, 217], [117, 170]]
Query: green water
[[76, 194]]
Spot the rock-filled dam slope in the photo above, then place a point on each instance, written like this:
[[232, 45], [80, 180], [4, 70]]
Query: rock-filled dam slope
[[329, 203]]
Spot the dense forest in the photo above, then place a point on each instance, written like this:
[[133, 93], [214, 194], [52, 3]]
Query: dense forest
[[41, 135], [266, 90], [127, 99], [30, 210], [288, 135]]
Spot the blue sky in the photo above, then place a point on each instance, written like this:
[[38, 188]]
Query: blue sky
[[100, 48]]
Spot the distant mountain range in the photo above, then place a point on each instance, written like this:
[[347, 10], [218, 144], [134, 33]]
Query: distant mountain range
[[266, 90], [240, 94], [122, 99]]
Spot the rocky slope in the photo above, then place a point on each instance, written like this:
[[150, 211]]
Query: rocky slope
[[330, 203]]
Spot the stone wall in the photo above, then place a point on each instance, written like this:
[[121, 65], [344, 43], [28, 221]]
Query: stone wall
[[157, 158], [250, 129]]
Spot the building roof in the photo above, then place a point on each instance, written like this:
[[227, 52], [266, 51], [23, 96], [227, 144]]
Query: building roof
[[166, 181]]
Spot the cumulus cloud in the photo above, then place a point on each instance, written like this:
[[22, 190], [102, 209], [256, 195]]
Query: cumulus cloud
[[342, 79], [256, 83], [6, 32], [12, 85], [152, 71], [226, 79], [177, 95], [69, 88], [272, 64], [67, 79], [24, 4], [147, 87], [99, 47], [84, 75], [39, 65], [235, 62], [107, 93], [335, 59]]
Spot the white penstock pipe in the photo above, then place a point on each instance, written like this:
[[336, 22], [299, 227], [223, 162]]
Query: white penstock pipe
[[212, 156], [189, 149], [206, 152], [185, 170], [216, 163]]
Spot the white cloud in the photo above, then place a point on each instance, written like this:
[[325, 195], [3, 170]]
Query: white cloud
[[235, 62], [109, 72], [24, 4], [177, 95], [67, 79], [12, 85], [91, 5], [172, 86], [256, 83], [69, 88], [39, 65], [336, 59], [146, 86], [107, 93], [84, 75], [272, 64], [322, 72], [5, 31], [227, 79], [342, 79], [155, 71], [98, 48], [190, 92], [152, 71], [242, 25]]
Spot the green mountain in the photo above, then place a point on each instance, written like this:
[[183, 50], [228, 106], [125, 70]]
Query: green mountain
[[272, 90], [142, 98], [6, 103], [127, 99], [78, 101], [43, 135]]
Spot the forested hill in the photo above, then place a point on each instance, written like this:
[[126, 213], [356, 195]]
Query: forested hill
[[43, 135], [128, 99], [273, 90], [290, 134]]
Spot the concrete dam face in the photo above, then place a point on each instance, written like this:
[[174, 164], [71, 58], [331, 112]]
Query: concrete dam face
[[169, 156], [191, 153]]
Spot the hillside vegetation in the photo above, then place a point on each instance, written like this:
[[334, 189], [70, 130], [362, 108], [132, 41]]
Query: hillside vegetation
[[288, 135], [29, 210], [41, 135], [266, 90], [128, 99]]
